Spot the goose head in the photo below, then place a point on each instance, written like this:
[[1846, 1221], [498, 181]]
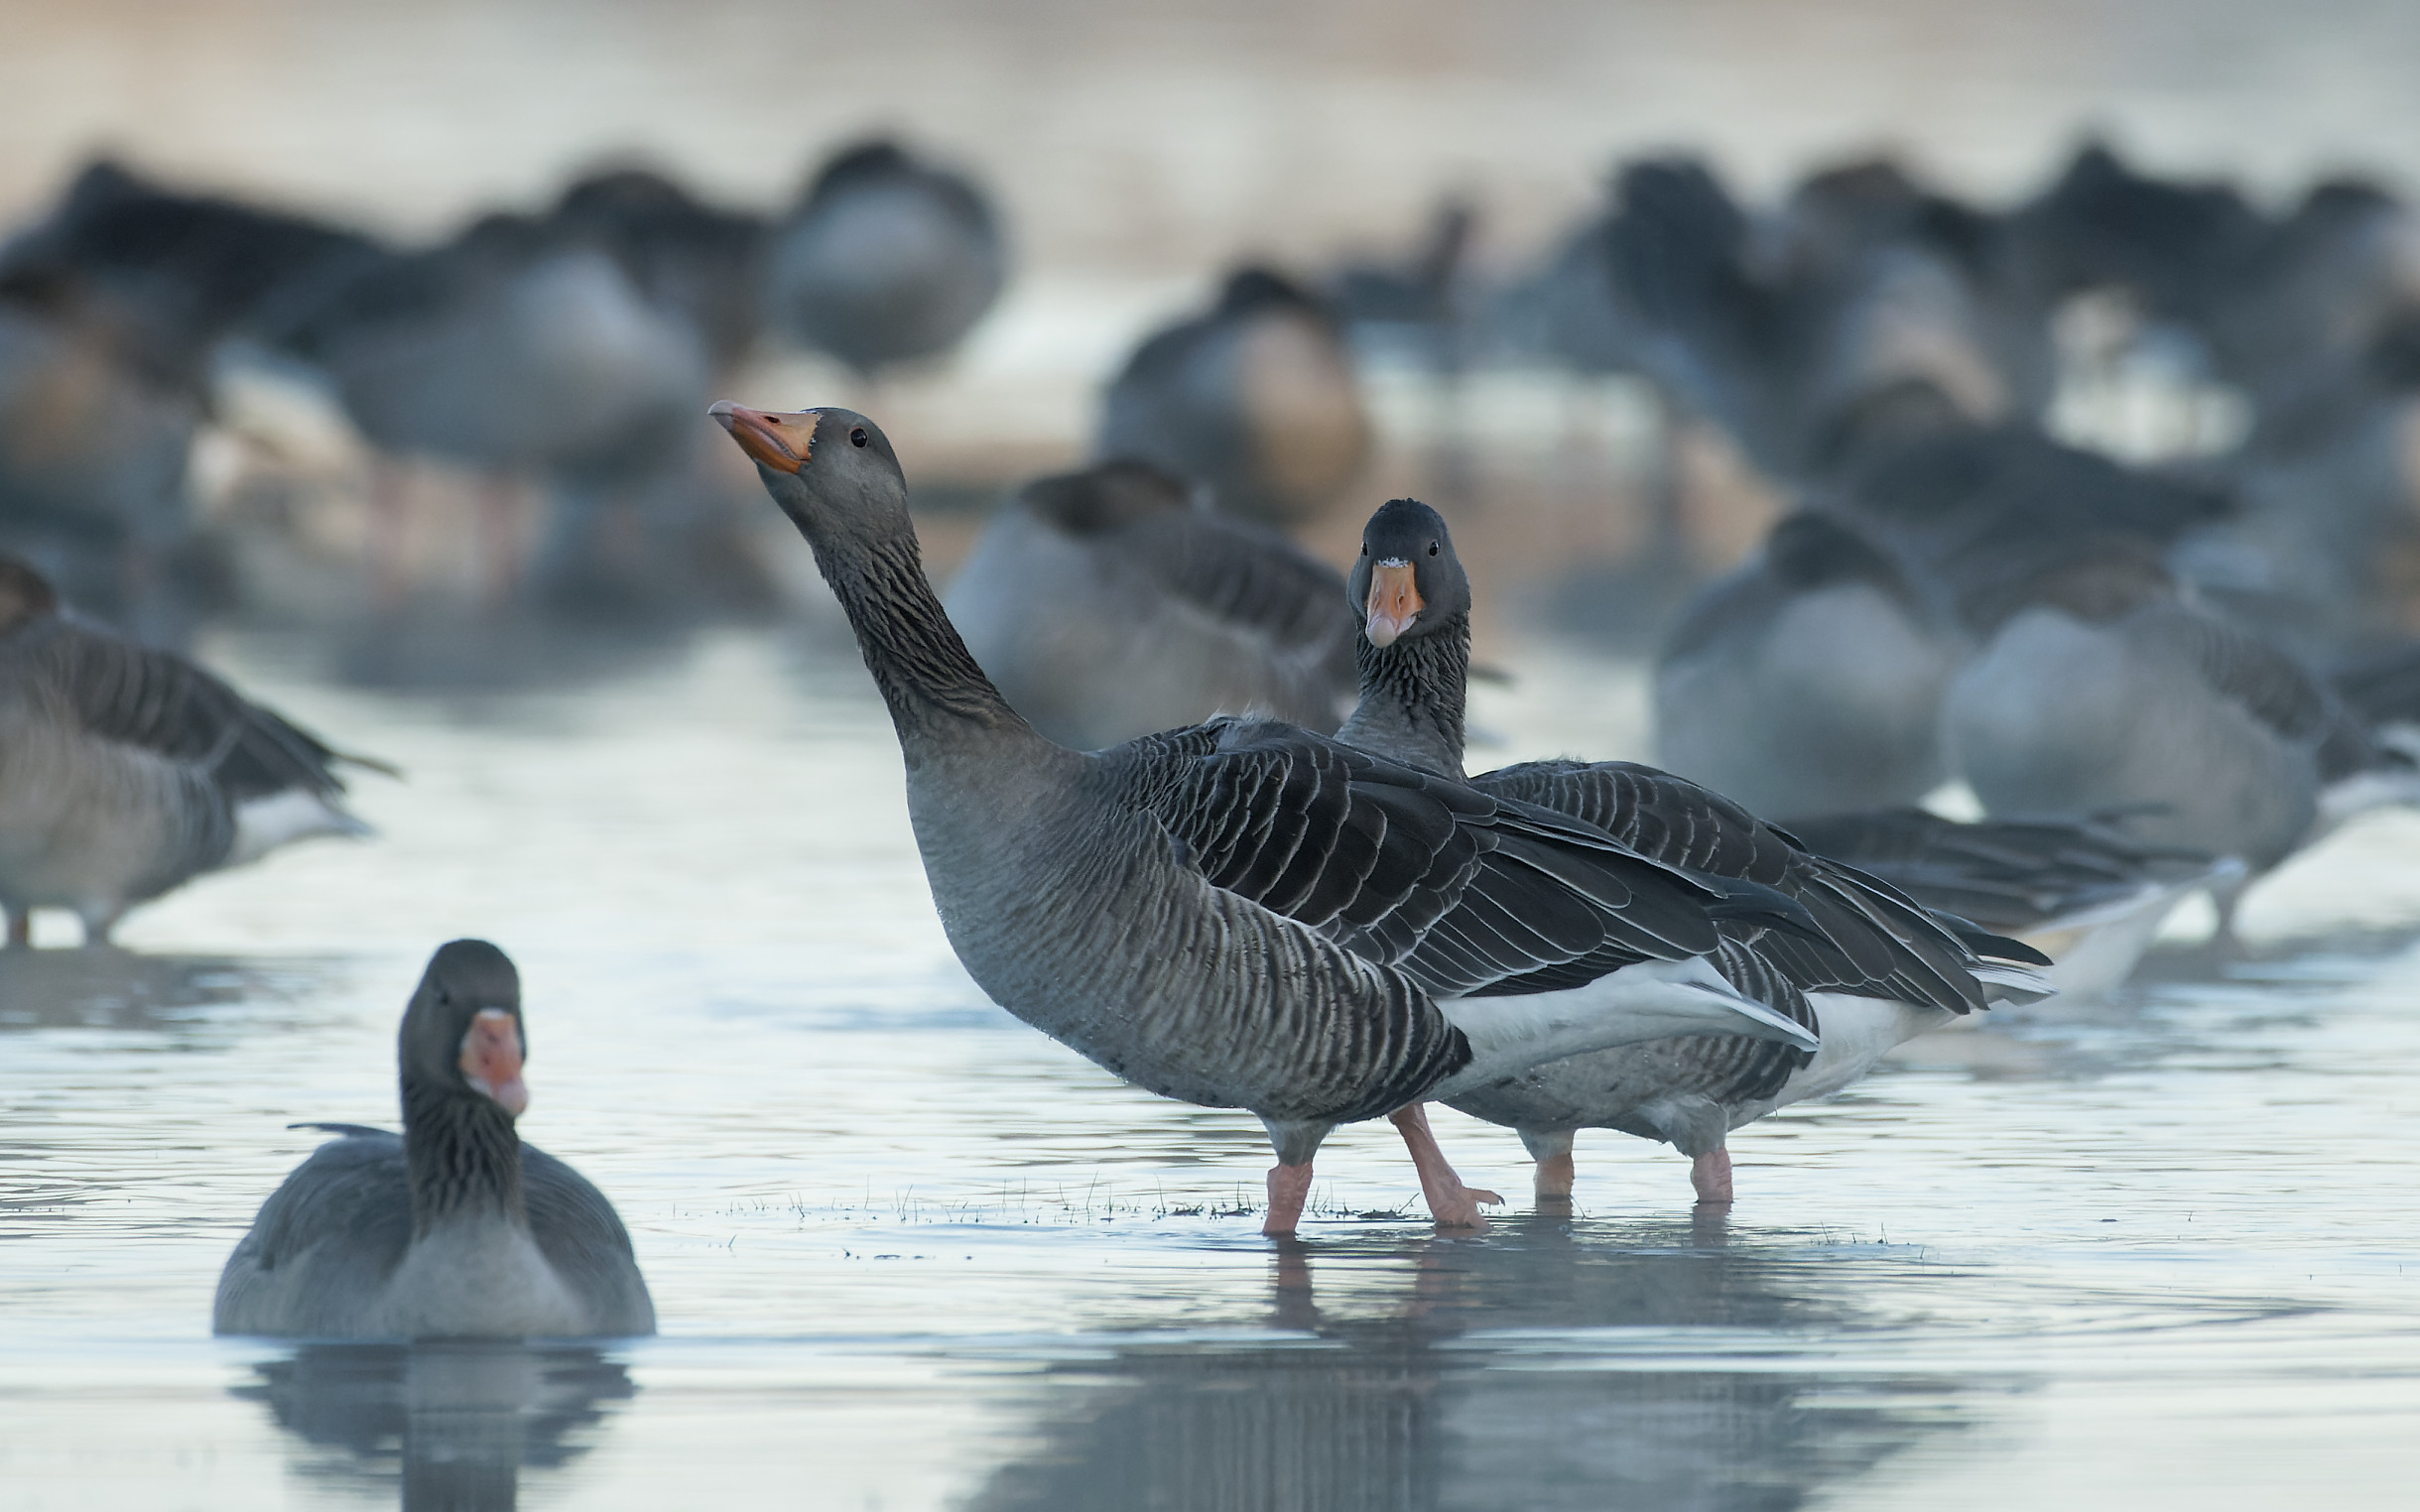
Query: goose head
[[1407, 581], [462, 1035], [25, 594], [833, 472]]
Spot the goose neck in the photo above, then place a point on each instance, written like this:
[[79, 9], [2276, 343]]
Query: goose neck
[[1412, 697], [937, 694], [464, 1159]]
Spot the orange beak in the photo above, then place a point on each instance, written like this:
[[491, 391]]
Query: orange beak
[[491, 1058], [1394, 601], [783, 442]]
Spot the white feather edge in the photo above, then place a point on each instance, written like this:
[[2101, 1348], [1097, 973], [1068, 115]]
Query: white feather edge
[[1654, 1000], [262, 824]]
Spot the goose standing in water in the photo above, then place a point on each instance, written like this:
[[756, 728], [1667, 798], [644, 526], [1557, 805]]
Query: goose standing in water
[[1243, 914], [1257, 400], [1105, 605], [126, 771], [1875, 970], [884, 260], [454, 1229], [2105, 689]]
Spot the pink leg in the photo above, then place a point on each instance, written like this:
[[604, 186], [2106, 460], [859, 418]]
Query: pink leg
[[1555, 1177], [1710, 1173], [1288, 1188], [1451, 1204]]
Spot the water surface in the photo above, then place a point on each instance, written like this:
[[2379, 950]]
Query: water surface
[[910, 1254]]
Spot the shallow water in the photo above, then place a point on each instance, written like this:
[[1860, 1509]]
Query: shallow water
[[909, 1253]]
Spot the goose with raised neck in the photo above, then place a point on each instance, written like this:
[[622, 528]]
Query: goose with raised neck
[[455, 1228], [1876, 968], [1243, 914]]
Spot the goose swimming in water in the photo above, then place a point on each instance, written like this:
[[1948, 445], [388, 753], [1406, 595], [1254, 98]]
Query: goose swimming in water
[[454, 1229], [126, 771], [1875, 970], [1243, 914]]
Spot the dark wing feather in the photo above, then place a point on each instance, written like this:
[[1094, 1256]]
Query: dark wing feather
[[159, 701], [1853, 932], [350, 1201], [583, 1238], [1469, 893], [2004, 874]]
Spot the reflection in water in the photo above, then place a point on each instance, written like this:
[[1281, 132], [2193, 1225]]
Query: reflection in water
[[110, 989], [459, 1417], [1441, 1399]]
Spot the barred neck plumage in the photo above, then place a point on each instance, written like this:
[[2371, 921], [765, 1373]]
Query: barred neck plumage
[[933, 687], [463, 1157], [1412, 696]]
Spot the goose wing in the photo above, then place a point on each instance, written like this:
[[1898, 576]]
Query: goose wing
[[1470, 894], [1869, 937], [2250, 670], [2008, 875], [159, 702]]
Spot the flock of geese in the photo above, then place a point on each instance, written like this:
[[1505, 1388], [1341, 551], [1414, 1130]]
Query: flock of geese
[[1195, 804]]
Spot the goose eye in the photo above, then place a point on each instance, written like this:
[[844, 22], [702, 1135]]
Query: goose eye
[[856, 435], [1432, 548], [1364, 548]]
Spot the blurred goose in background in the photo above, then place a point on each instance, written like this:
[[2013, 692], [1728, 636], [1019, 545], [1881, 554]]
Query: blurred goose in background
[[1257, 400], [1413, 305], [126, 771], [1810, 679], [192, 269], [1872, 971], [97, 421], [526, 352], [1243, 914], [885, 259], [1865, 283], [1104, 605], [703, 261], [2104, 689], [454, 1229]]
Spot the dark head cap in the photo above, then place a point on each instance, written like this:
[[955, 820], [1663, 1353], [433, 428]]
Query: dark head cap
[[1407, 581], [463, 1032]]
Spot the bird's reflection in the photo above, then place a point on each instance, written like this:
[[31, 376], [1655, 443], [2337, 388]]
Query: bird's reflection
[[453, 1421], [110, 989], [1468, 1385]]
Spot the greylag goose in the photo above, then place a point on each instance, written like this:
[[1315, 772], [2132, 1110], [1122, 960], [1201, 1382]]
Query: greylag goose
[[1243, 914], [126, 771], [424, 351], [1810, 681], [1875, 970], [454, 1228], [1105, 605], [884, 260], [1257, 400], [2104, 689]]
